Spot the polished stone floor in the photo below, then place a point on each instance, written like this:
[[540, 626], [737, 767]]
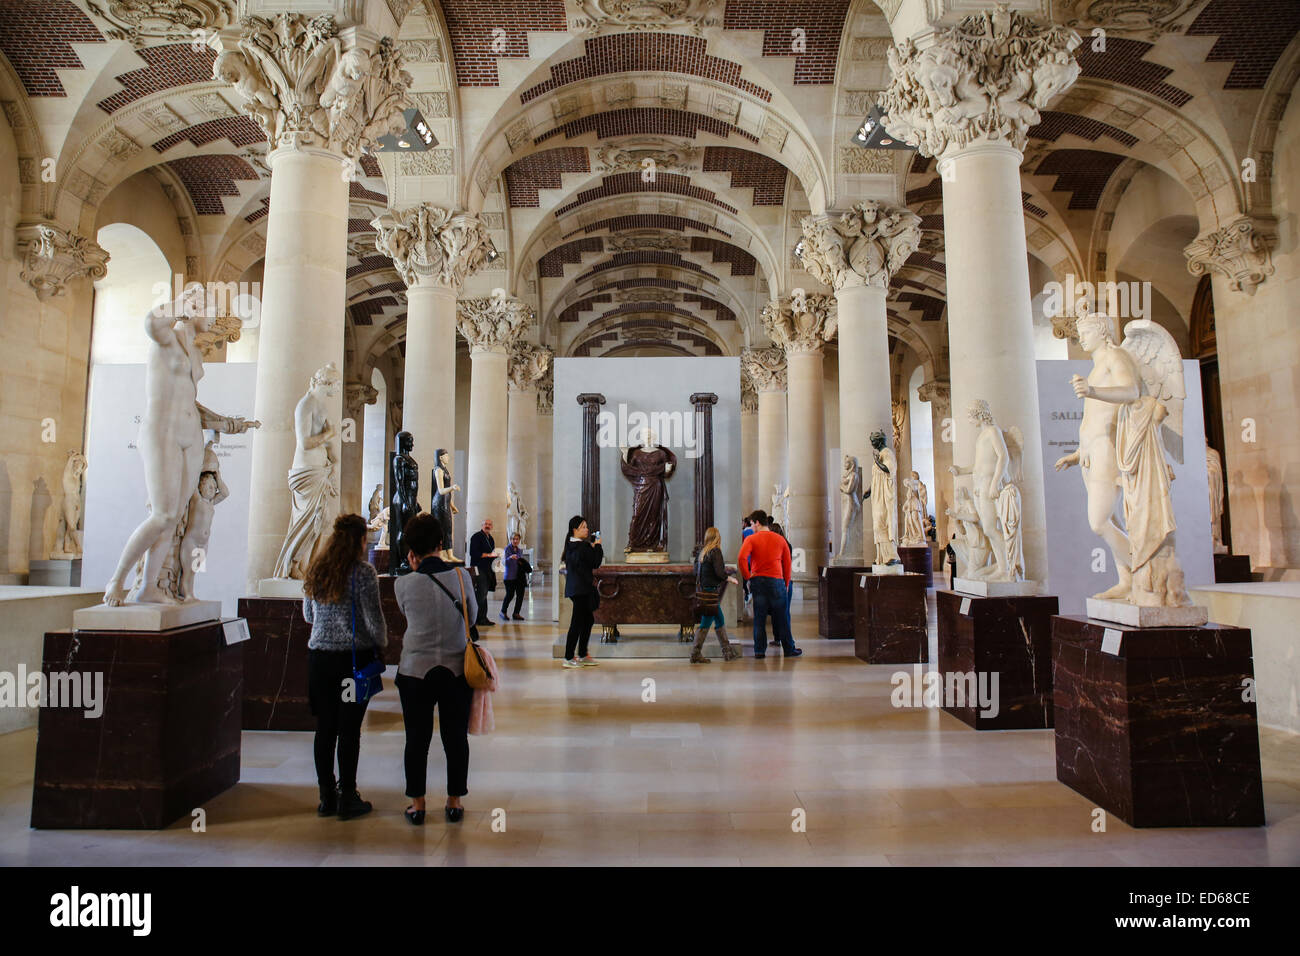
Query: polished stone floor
[[583, 770]]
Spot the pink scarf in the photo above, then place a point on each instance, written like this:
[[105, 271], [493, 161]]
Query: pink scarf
[[481, 720]]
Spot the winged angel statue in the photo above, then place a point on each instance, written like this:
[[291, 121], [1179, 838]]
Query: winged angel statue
[[1132, 417]]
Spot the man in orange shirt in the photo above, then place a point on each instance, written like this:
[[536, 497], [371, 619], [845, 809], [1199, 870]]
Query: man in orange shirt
[[764, 562]]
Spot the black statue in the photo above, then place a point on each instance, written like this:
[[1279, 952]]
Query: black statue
[[406, 486], [442, 506]]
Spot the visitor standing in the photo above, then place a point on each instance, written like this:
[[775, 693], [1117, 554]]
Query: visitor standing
[[482, 552], [710, 584], [789, 584], [341, 603], [764, 561], [582, 556], [516, 582]]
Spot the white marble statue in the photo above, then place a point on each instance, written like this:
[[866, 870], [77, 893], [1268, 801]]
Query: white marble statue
[[171, 440], [1214, 472], [376, 503], [313, 476], [74, 472], [974, 553], [995, 490], [914, 505], [780, 511], [193, 552], [851, 491], [1132, 397], [884, 501], [516, 516], [380, 523]]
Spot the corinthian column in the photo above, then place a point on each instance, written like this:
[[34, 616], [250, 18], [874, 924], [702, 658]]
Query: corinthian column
[[969, 98], [766, 368], [750, 497], [857, 254], [800, 326], [528, 366], [322, 96], [491, 326], [434, 251], [542, 520]]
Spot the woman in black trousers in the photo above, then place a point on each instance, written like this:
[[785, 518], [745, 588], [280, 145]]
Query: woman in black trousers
[[582, 555]]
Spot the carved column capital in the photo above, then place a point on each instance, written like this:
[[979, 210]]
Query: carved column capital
[[864, 246], [306, 86], [939, 394], [984, 79], [546, 389], [528, 365], [494, 323], [765, 367], [357, 395], [430, 244], [55, 256], [801, 322], [1240, 252]]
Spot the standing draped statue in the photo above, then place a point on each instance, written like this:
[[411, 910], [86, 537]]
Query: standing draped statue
[[914, 512], [851, 490], [1214, 473], [648, 467], [313, 475], [884, 501]]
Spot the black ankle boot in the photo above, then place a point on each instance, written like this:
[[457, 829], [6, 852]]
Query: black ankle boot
[[329, 802], [351, 805]]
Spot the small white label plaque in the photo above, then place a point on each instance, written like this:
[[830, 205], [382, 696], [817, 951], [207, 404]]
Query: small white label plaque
[[823, 571], [1110, 640], [965, 607], [236, 631]]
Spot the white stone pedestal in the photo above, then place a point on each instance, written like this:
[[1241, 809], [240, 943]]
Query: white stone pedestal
[[888, 569], [279, 588], [1132, 615], [647, 557], [996, 588], [144, 617]]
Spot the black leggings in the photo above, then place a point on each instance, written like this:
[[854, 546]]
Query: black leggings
[[338, 722], [452, 696], [579, 626], [515, 588]]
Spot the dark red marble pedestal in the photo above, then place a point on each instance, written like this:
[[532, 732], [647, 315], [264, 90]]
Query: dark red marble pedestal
[[835, 600], [275, 665], [1157, 732], [1232, 569], [393, 617], [168, 739], [379, 558], [1007, 636], [889, 614], [919, 561]]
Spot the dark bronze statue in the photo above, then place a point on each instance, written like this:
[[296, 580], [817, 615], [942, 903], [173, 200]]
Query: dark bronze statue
[[406, 505]]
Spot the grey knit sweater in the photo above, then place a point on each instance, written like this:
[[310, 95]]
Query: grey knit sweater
[[331, 624]]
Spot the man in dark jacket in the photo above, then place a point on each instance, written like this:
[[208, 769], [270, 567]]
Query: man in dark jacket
[[482, 550]]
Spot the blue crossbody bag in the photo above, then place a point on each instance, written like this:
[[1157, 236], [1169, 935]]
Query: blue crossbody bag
[[369, 680]]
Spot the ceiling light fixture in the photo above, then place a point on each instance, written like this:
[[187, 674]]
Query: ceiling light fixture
[[872, 133], [416, 138]]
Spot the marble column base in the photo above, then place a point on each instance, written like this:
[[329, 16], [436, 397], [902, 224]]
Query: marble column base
[[1228, 569], [66, 573], [1153, 728], [275, 665], [919, 561], [168, 738], [1007, 636], [889, 624], [835, 600]]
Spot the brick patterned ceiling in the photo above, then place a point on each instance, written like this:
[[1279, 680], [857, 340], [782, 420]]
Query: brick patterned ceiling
[[644, 53], [749, 170], [1081, 172], [208, 178], [1056, 124], [1122, 63], [363, 313], [470, 24], [257, 214], [710, 304], [574, 311], [551, 265], [358, 191], [644, 121], [544, 170], [648, 221], [170, 66], [646, 258], [639, 308], [650, 282], [821, 20], [741, 262], [370, 264], [239, 130], [930, 307], [620, 183], [36, 36], [1252, 35]]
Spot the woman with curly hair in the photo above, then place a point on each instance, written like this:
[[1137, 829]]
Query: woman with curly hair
[[340, 588]]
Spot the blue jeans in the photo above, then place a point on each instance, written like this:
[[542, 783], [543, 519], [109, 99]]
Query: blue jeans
[[770, 598], [712, 620]]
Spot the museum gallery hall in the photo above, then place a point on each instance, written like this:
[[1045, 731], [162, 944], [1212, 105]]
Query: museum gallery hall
[[705, 432]]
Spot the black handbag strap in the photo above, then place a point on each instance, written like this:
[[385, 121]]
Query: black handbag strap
[[459, 607]]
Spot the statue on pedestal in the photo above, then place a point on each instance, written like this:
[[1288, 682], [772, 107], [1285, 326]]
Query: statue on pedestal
[[995, 489], [198, 521], [648, 467], [74, 472], [1132, 397], [780, 510], [516, 516], [914, 504], [171, 441], [1214, 472], [442, 506], [851, 490], [376, 503], [969, 543], [313, 476], [884, 501], [406, 484], [380, 523]]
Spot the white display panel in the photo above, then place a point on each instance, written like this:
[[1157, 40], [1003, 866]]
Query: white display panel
[[116, 501], [1072, 546]]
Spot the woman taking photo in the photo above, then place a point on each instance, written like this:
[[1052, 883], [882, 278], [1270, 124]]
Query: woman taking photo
[[432, 670], [582, 555], [341, 603], [710, 583]]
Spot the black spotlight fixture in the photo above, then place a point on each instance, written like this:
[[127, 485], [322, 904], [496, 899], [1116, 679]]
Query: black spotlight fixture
[[873, 135], [416, 138]]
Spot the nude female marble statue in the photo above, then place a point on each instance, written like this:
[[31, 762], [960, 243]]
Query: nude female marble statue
[[995, 476], [313, 475], [171, 439], [851, 490], [443, 505], [70, 521]]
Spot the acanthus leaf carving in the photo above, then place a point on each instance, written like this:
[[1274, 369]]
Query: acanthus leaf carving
[[492, 323], [428, 242], [1239, 251], [55, 256], [801, 322], [866, 245], [528, 365], [765, 368]]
